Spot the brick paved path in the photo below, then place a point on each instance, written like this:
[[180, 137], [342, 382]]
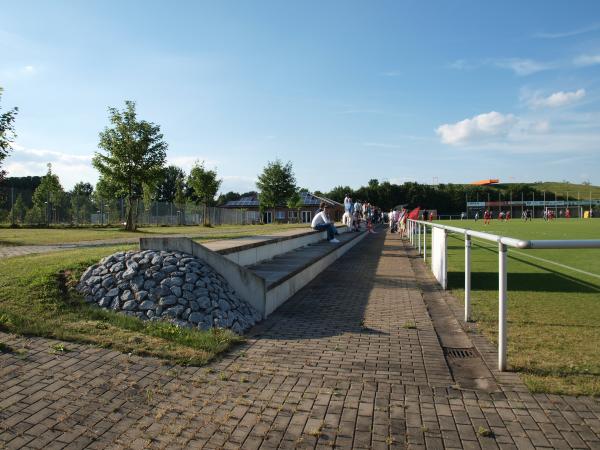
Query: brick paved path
[[339, 365]]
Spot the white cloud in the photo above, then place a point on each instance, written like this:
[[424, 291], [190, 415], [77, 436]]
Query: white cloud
[[569, 33], [557, 99], [13, 73], [587, 60], [523, 67], [477, 128], [540, 126]]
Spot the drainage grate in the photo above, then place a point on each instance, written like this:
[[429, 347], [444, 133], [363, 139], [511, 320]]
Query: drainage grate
[[460, 353]]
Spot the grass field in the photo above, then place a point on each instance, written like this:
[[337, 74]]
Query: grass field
[[35, 300], [42, 236], [553, 301]]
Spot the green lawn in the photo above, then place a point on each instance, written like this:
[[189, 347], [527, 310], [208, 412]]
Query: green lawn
[[41, 236], [34, 301], [553, 310]]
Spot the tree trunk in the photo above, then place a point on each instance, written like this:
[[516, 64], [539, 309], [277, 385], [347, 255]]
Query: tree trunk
[[130, 225], [206, 218]]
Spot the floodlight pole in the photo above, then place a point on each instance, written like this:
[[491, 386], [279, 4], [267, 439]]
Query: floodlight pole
[[502, 280], [467, 277]]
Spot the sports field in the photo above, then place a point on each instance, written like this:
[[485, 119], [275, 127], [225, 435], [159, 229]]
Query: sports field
[[553, 301]]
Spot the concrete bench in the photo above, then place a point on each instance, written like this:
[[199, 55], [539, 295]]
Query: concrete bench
[[265, 271]]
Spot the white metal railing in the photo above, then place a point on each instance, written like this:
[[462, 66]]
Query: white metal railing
[[417, 231]]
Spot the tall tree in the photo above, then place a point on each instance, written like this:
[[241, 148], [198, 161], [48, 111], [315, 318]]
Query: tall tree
[[167, 186], [135, 153], [276, 184], [7, 133], [81, 201], [17, 213], [49, 195], [295, 202], [205, 185]]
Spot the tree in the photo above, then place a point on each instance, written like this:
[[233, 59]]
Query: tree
[[17, 213], [205, 185], [295, 202], [7, 133], [276, 184], [49, 195], [167, 187], [81, 201], [135, 153], [180, 200]]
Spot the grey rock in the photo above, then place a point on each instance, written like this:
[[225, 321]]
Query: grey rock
[[194, 306], [126, 296], [169, 269], [150, 314], [157, 260], [188, 287], [129, 274], [147, 305], [108, 282], [88, 273], [167, 301], [195, 317], [191, 278], [141, 295], [176, 290], [224, 305], [176, 281], [132, 265], [113, 292], [105, 302], [189, 296], [174, 312], [93, 280], [129, 305], [118, 267], [137, 283], [149, 284]]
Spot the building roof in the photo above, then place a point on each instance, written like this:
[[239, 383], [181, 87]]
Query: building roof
[[307, 198]]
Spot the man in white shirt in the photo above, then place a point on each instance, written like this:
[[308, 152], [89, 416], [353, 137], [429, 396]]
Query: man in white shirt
[[322, 222]]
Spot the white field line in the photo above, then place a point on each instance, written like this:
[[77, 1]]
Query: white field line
[[564, 266]]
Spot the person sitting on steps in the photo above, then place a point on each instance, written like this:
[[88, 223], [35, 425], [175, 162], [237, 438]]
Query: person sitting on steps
[[323, 222]]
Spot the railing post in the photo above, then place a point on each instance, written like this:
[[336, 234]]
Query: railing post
[[419, 228], [424, 243], [467, 277], [410, 232], [502, 278]]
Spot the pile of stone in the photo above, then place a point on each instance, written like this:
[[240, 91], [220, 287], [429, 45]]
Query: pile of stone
[[173, 286]]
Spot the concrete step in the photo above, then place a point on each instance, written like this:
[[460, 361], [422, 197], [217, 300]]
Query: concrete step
[[282, 267]]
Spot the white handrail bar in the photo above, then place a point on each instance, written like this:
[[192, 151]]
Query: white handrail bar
[[503, 242]]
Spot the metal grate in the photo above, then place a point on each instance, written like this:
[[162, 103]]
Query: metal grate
[[460, 353]]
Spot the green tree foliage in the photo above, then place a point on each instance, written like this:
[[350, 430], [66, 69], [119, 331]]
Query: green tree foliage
[[167, 186], [205, 186], [135, 154], [49, 196], [7, 133], [295, 202], [81, 202], [17, 213], [276, 184]]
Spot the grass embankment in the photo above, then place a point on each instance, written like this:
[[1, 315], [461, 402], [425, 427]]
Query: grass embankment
[[553, 310], [43, 236], [34, 302]]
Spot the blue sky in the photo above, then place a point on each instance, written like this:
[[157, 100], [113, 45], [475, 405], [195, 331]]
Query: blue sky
[[445, 91]]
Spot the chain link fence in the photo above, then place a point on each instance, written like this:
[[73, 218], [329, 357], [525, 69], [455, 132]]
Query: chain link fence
[[18, 207]]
